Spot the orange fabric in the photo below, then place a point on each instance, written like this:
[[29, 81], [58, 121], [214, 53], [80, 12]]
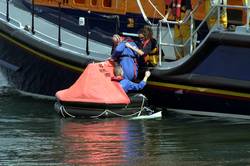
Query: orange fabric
[[200, 12], [95, 86]]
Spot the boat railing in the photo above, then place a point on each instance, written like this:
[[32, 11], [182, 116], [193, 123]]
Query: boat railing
[[54, 38], [192, 43], [39, 35], [11, 21]]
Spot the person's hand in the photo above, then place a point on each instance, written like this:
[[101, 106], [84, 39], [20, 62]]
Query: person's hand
[[147, 73]]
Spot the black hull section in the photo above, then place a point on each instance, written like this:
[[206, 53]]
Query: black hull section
[[95, 110], [32, 74], [195, 102]]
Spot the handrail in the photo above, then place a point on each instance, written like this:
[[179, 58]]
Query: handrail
[[54, 39], [59, 24], [33, 19], [161, 24], [7, 11], [214, 10]]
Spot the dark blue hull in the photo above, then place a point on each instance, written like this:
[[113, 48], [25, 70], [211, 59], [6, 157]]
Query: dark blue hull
[[215, 79], [30, 73], [33, 74]]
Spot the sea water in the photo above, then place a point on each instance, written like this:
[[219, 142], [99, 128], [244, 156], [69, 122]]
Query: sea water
[[31, 133]]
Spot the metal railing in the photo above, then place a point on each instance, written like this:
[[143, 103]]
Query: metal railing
[[192, 40], [85, 46]]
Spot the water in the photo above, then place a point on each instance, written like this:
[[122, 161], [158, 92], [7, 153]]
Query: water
[[33, 134]]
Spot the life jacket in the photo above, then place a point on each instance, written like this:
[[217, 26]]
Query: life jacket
[[152, 58], [176, 7]]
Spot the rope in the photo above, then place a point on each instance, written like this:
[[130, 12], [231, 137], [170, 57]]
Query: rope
[[143, 13], [106, 111], [156, 9], [142, 105], [63, 110]]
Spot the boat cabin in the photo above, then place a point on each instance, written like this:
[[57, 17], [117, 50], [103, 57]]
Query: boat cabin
[[121, 7], [237, 15]]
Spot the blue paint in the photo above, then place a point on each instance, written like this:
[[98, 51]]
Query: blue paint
[[226, 61]]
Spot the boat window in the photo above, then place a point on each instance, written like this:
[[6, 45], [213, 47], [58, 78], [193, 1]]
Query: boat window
[[107, 3], [80, 1], [94, 2]]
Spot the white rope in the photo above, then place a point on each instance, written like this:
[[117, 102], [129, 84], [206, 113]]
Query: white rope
[[142, 104], [63, 110], [138, 113], [156, 9], [106, 112], [143, 13]]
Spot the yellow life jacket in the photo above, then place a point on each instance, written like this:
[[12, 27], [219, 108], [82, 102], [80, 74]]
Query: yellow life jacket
[[153, 57]]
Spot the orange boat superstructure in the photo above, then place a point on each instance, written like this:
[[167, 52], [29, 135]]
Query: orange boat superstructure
[[121, 7]]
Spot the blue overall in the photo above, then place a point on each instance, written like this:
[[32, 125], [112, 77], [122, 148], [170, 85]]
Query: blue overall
[[127, 59], [131, 86]]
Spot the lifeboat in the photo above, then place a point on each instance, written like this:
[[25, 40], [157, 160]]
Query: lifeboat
[[96, 95]]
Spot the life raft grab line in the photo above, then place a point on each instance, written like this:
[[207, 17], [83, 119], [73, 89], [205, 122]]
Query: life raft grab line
[[63, 110], [138, 113]]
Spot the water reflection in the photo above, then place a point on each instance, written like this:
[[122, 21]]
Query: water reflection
[[95, 142], [33, 134]]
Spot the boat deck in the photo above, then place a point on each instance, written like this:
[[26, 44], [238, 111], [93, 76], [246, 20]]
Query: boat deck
[[48, 32]]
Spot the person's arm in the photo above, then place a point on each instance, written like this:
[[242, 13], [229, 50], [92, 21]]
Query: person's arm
[[131, 86], [135, 49]]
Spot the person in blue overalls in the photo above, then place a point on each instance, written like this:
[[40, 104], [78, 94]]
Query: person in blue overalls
[[125, 56], [127, 85]]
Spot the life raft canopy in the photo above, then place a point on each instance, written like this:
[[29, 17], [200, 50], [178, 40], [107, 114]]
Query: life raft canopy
[[95, 86]]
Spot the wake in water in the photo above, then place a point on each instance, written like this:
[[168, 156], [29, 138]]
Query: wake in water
[[3, 80], [5, 88]]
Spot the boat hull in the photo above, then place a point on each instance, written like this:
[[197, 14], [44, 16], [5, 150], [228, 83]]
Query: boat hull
[[30, 73], [207, 81], [198, 103]]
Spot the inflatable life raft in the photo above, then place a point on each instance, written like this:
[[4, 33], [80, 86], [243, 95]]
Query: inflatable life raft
[[96, 95]]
